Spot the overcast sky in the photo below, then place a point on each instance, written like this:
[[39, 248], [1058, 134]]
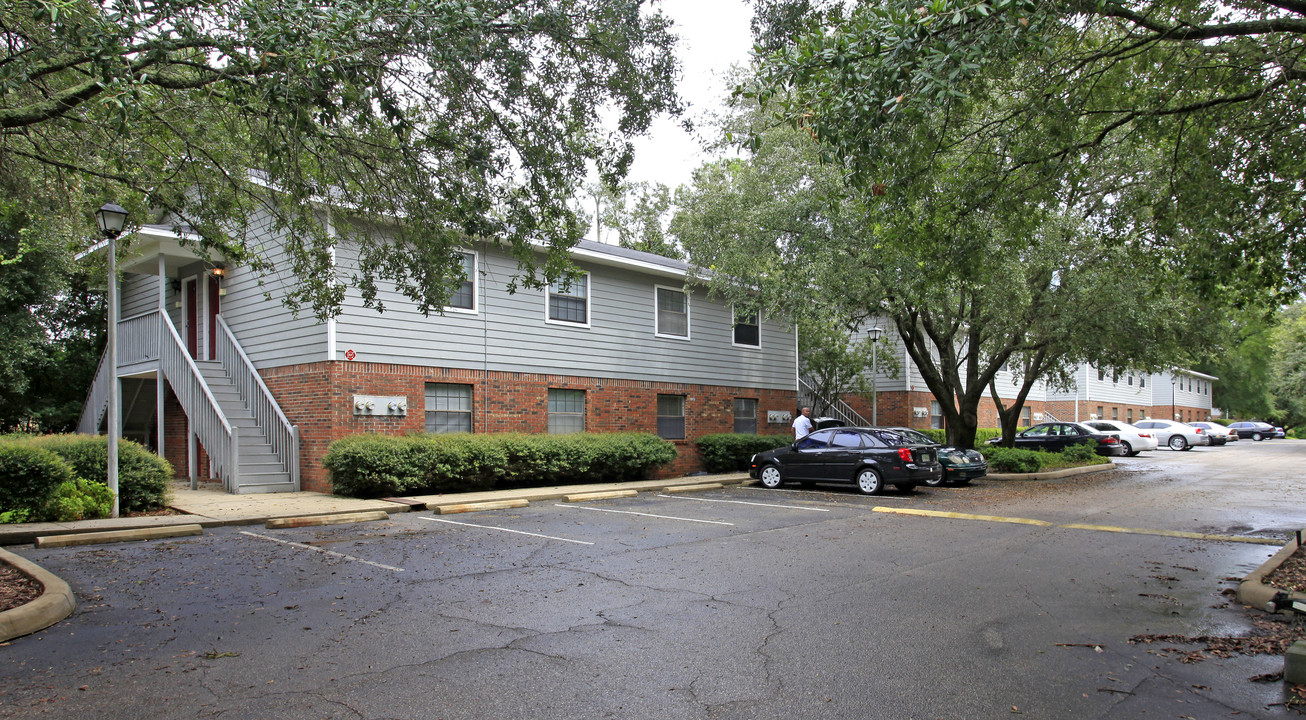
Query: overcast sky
[[714, 35]]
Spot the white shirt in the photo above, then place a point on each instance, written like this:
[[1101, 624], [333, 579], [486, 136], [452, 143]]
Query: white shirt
[[802, 426]]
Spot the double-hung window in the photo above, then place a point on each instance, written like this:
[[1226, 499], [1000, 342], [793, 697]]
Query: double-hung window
[[566, 411], [1025, 420], [746, 415], [671, 417], [747, 329], [464, 297], [671, 310], [569, 301], [448, 408], [936, 415]]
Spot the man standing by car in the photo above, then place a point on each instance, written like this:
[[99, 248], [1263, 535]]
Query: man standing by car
[[803, 423]]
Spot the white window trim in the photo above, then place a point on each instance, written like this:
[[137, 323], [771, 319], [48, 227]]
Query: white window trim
[[475, 309], [688, 316], [589, 294], [758, 346]]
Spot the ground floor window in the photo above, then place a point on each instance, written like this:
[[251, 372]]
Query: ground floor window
[[1129, 416], [746, 415], [566, 411], [1025, 416], [448, 408], [671, 417], [936, 415], [1115, 413]]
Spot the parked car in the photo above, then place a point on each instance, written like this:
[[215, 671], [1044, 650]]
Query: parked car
[[1280, 433], [1057, 436], [1134, 439], [870, 458], [1218, 433], [960, 466], [1175, 435], [1253, 429]]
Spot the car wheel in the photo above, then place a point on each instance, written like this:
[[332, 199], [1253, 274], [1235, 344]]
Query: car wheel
[[868, 481], [942, 479], [771, 477], [1129, 449], [1178, 442], [1258, 436]]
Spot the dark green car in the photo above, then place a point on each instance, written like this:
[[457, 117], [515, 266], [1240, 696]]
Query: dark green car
[[959, 466]]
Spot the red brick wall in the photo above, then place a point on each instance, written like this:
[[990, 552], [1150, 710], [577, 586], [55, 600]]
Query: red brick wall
[[319, 398], [897, 408]]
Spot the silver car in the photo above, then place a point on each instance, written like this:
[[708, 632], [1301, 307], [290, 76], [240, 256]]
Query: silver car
[[1175, 435], [1134, 439]]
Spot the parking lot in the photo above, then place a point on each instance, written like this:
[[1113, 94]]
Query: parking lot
[[1003, 598]]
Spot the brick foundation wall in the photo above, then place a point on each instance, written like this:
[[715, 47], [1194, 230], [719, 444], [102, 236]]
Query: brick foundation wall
[[898, 408], [318, 397]]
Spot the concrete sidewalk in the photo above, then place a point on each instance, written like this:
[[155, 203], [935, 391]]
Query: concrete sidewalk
[[210, 506]]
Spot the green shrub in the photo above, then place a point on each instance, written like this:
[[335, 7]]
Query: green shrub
[[1013, 460], [731, 452], [29, 477], [80, 499], [142, 476], [982, 435], [1081, 453], [371, 465]]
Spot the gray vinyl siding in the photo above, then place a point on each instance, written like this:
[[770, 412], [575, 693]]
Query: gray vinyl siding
[[508, 332], [139, 294], [265, 328]]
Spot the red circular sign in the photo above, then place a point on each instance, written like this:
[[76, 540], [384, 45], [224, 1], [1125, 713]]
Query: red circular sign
[[349, 355]]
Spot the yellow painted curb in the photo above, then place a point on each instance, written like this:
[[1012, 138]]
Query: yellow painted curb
[[963, 516], [692, 488], [336, 519], [476, 507], [1175, 533], [55, 604], [113, 536]]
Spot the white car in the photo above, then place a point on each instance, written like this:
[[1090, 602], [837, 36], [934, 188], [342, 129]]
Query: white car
[[1216, 430], [1133, 438], [1175, 435]]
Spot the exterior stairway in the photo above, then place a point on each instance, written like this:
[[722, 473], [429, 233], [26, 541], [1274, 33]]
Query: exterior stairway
[[259, 470]]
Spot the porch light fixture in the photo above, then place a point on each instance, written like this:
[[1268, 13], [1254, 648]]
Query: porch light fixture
[[219, 270], [111, 218], [875, 375]]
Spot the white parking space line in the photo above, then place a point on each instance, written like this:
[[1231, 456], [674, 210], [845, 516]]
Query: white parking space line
[[332, 553], [878, 498], [519, 532], [631, 512], [744, 502]]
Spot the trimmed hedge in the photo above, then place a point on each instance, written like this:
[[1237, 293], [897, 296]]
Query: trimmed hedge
[[29, 477], [730, 452], [982, 435], [1016, 460], [142, 476], [373, 465]]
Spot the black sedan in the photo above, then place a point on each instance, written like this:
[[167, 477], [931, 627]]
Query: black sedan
[[868, 457], [1057, 436], [960, 466], [1253, 430]]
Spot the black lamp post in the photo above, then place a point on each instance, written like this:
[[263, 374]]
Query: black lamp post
[[111, 219], [875, 377]]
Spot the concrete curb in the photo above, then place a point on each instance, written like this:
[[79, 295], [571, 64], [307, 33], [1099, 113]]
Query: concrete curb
[[319, 520], [692, 488], [1254, 592], [606, 495], [479, 506], [1051, 474], [114, 536], [55, 604]]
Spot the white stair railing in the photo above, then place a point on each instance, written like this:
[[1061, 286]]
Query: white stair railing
[[97, 400], [206, 418], [835, 406], [280, 434]]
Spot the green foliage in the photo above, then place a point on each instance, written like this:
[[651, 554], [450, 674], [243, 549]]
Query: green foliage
[[1080, 453], [1289, 367], [730, 452], [372, 465], [1016, 460], [80, 499], [142, 476], [982, 436], [638, 212], [29, 478], [467, 119]]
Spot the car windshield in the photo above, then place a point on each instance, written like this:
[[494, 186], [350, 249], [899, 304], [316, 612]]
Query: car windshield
[[911, 436]]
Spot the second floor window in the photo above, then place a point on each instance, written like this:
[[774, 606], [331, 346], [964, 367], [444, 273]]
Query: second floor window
[[569, 301], [464, 298], [747, 328], [672, 311]]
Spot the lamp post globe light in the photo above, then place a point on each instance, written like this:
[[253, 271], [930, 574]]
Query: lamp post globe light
[[875, 379], [111, 218]]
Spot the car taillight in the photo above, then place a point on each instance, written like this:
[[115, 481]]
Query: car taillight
[[1144, 435], [1110, 441], [905, 454], [1199, 431]]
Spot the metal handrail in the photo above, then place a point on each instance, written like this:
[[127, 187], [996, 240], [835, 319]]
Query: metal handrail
[[207, 419], [97, 400], [837, 406], [268, 416]]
